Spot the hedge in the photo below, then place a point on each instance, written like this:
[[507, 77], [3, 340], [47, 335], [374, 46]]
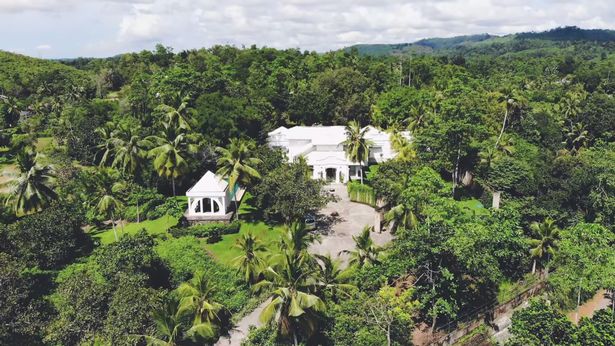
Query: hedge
[[212, 231], [361, 193]]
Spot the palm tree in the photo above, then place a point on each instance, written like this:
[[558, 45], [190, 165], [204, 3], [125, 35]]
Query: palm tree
[[196, 297], [237, 165], [576, 137], [416, 118], [106, 147], [298, 238], [356, 145], [545, 243], [176, 117], [249, 263], [168, 324], [129, 150], [170, 151], [403, 215], [292, 307], [33, 189], [514, 103], [402, 146], [107, 205], [570, 105], [330, 276], [365, 251]]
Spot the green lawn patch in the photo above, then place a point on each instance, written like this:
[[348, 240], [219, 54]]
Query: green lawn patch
[[224, 251], [43, 143], [473, 206], [152, 227]]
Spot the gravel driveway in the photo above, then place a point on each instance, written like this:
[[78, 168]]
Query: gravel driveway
[[336, 234]]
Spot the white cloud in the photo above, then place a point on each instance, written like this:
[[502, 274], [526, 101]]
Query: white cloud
[[43, 47], [124, 25]]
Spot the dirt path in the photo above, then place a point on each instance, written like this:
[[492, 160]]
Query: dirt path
[[337, 235], [242, 328]]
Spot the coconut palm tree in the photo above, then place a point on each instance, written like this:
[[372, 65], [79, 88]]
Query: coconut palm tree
[[292, 307], [402, 146], [330, 276], [356, 145], [576, 137], [298, 238], [130, 150], [513, 102], [177, 117], [33, 189], [196, 298], [168, 325], [170, 150], [106, 147], [365, 251], [544, 245], [108, 205], [249, 263], [237, 165], [403, 215]]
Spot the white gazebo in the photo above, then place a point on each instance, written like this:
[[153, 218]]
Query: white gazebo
[[210, 199]]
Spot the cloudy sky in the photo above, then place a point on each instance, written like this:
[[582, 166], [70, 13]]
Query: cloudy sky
[[71, 28]]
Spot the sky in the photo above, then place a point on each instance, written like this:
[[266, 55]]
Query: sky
[[101, 28]]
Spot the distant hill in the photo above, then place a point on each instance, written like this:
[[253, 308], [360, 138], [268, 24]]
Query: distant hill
[[23, 75], [571, 33], [423, 46], [489, 44]]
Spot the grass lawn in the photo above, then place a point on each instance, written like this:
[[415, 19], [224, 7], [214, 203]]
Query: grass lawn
[[224, 251], [473, 206], [153, 227], [42, 143]]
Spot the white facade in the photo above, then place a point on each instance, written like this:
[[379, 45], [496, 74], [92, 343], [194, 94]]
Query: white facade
[[323, 150], [210, 196]]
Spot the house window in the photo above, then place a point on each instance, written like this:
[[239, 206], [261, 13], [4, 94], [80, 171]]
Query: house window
[[353, 171]]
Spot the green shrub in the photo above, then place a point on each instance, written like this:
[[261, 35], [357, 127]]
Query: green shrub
[[186, 255], [212, 231], [361, 193], [172, 206]]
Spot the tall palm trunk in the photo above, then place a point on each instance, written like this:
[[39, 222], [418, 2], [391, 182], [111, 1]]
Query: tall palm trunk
[[502, 130], [173, 185], [113, 226], [534, 267], [456, 171], [295, 342]]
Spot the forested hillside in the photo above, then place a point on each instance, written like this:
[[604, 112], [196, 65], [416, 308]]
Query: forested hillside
[[530, 43], [96, 155]]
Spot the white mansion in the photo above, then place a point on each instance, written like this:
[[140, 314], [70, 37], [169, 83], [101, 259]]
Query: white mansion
[[322, 148], [211, 198]]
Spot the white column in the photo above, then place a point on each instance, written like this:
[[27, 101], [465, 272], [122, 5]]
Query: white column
[[189, 206]]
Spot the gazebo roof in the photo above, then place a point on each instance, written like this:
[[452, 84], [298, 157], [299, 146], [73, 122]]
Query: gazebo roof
[[207, 185]]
